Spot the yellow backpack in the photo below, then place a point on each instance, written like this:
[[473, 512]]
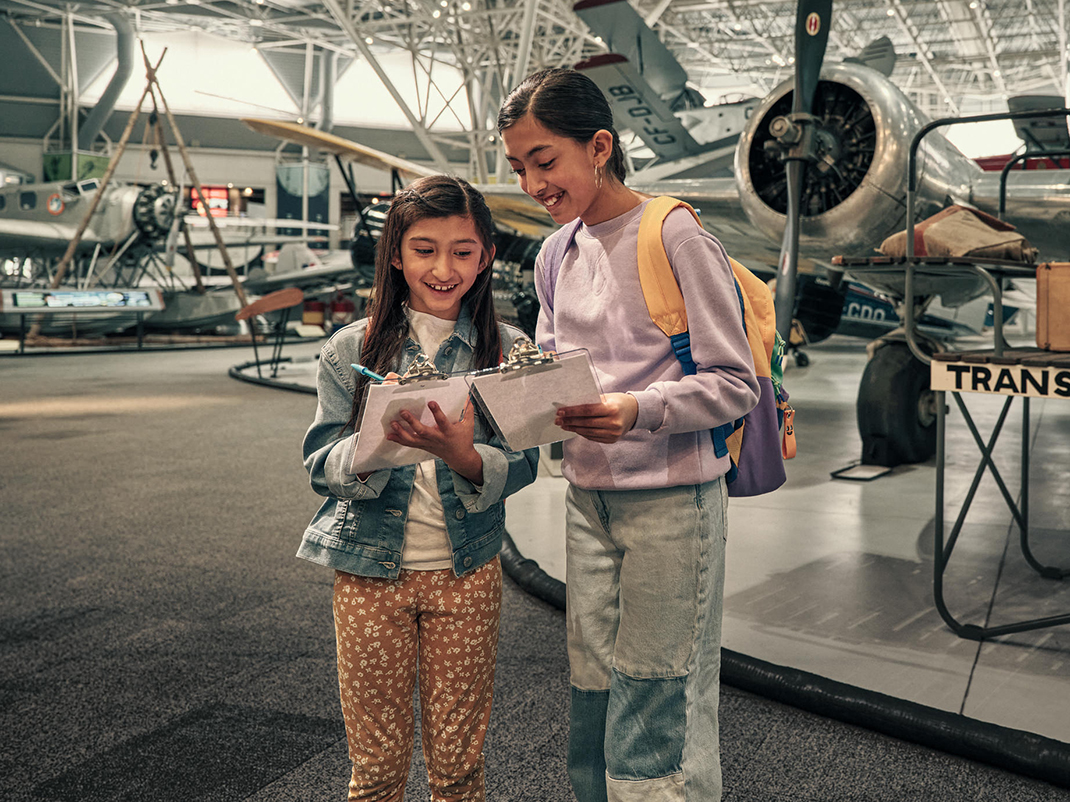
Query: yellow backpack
[[759, 442]]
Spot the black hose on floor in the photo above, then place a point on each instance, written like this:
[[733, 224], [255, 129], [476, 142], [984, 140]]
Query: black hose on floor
[[1013, 750], [238, 372], [529, 576], [1009, 749]]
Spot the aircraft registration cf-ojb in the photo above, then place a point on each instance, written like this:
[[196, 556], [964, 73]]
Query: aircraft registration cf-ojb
[[852, 196]]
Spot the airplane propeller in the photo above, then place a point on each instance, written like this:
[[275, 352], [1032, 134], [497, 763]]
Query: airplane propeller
[[795, 136]]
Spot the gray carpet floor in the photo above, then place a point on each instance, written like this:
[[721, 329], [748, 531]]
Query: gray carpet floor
[[159, 641]]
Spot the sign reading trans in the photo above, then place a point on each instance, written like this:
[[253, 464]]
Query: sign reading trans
[[1050, 380]]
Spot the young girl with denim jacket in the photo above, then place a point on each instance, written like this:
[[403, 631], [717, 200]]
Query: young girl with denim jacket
[[417, 584], [646, 503]]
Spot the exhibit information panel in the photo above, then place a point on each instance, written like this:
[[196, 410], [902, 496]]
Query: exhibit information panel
[[134, 300]]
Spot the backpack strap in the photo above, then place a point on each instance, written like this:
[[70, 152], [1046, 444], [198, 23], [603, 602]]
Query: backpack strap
[[664, 301], [554, 250]]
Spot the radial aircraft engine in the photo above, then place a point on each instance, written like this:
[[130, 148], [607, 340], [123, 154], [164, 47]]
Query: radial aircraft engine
[[854, 195]]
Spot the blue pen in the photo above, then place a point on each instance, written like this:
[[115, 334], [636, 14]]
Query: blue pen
[[363, 371]]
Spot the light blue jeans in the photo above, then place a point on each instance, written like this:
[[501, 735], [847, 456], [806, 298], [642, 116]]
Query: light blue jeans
[[645, 585]]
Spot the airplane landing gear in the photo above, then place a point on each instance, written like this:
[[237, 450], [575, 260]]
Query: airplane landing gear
[[896, 408]]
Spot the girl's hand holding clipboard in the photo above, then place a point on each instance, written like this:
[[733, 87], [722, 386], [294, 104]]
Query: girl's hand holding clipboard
[[450, 441], [606, 422]]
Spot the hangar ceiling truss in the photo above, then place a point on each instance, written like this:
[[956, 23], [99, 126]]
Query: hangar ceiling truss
[[952, 55]]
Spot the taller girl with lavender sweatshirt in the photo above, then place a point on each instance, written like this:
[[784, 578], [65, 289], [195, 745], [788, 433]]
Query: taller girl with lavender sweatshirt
[[646, 505]]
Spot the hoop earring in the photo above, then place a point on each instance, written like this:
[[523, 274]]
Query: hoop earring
[[598, 175]]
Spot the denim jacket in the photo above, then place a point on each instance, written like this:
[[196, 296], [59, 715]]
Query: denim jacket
[[360, 528]]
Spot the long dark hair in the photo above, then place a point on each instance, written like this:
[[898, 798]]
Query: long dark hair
[[569, 104], [388, 325]]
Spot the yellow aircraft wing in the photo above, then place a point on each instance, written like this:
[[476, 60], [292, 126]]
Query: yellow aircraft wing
[[343, 148], [511, 207]]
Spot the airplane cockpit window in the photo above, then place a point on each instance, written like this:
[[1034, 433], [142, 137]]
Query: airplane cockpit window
[[71, 188], [3, 202], [27, 200], [88, 186]]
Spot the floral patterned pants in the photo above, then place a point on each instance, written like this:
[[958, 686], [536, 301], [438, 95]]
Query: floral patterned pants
[[385, 628]]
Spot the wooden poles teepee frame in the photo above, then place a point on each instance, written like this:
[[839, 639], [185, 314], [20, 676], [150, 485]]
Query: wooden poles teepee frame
[[153, 88]]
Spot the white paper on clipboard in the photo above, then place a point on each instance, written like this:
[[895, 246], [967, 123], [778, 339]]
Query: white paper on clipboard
[[383, 404], [522, 403]]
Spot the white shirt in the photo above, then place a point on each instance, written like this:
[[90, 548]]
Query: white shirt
[[427, 547]]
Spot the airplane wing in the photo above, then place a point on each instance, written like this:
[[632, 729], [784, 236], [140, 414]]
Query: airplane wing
[[28, 237], [642, 79], [343, 148], [337, 276], [512, 207], [715, 199]]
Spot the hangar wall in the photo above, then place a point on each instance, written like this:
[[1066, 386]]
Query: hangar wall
[[214, 166]]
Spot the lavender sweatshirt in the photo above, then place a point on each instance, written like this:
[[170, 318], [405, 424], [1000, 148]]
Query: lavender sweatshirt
[[598, 304]]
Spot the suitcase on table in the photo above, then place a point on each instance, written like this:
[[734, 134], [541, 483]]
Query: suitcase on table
[[1053, 306]]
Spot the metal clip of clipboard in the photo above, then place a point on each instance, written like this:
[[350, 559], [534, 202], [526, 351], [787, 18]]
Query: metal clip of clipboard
[[520, 397], [524, 354], [420, 370]]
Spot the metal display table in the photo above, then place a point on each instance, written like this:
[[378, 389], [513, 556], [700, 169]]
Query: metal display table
[[1021, 373], [114, 302], [1014, 373]]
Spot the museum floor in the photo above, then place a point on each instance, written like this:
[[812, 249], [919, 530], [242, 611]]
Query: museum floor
[[835, 576], [158, 640]]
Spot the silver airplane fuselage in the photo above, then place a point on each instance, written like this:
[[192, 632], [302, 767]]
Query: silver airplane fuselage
[[40, 220]]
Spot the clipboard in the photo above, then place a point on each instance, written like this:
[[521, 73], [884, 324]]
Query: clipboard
[[383, 403], [521, 397]]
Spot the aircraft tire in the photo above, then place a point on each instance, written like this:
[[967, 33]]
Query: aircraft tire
[[894, 409]]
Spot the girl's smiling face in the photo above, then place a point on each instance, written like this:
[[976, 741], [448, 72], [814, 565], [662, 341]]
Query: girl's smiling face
[[557, 171], [441, 257]]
